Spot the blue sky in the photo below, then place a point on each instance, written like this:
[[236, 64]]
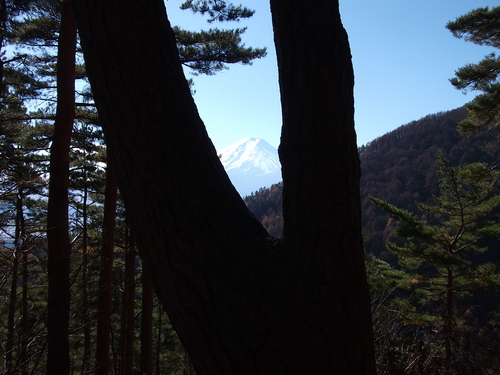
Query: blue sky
[[403, 57]]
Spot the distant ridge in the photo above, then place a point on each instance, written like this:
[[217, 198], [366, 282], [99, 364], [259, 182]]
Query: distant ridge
[[251, 164], [399, 167]]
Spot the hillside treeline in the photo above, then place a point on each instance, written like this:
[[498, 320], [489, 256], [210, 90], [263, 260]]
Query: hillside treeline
[[416, 330], [398, 167]]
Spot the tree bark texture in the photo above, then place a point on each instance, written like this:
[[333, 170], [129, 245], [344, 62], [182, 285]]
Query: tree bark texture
[[321, 172], [240, 302], [57, 214]]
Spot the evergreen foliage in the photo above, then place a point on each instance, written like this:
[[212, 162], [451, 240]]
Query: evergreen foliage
[[438, 252], [208, 52], [218, 10], [480, 26]]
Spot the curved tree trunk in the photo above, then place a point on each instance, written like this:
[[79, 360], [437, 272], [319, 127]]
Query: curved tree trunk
[[240, 302]]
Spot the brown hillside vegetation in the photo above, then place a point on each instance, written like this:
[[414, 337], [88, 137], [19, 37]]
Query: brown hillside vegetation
[[266, 206], [399, 167]]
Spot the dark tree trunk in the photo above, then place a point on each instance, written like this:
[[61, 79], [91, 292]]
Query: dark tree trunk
[[449, 318], [85, 283], [11, 329], [3, 26], [106, 272], [24, 320], [147, 324], [240, 302], [158, 340], [57, 215], [321, 172], [128, 309], [16, 255]]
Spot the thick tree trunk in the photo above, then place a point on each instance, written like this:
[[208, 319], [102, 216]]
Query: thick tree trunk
[[241, 303], [57, 215], [321, 172]]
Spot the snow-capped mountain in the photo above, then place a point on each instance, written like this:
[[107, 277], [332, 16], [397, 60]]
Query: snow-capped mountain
[[251, 164]]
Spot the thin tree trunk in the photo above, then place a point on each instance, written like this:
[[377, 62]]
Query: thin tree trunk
[[240, 302], [58, 362], [106, 272], [448, 322], [24, 320], [3, 25], [147, 324], [11, 329], [158, 340], [128, 310], [16, 254], [85, 284]]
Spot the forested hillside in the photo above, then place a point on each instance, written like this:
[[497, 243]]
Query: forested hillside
[[417, 329], [399, 167]]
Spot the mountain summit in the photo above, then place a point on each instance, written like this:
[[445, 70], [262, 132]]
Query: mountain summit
[[251, 164]]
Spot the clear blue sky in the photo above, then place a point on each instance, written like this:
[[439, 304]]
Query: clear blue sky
[[403, 57]]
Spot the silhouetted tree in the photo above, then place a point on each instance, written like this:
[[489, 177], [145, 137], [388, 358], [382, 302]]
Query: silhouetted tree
[[241, 302]]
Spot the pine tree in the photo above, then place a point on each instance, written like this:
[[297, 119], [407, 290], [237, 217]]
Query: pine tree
[[59, 250], [480, 26], [21, 175], [218, 10], [240, 302], [208, 52], [438, 250]]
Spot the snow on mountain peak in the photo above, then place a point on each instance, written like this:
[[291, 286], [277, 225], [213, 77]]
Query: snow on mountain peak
[[250, 153], [251, 164]]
